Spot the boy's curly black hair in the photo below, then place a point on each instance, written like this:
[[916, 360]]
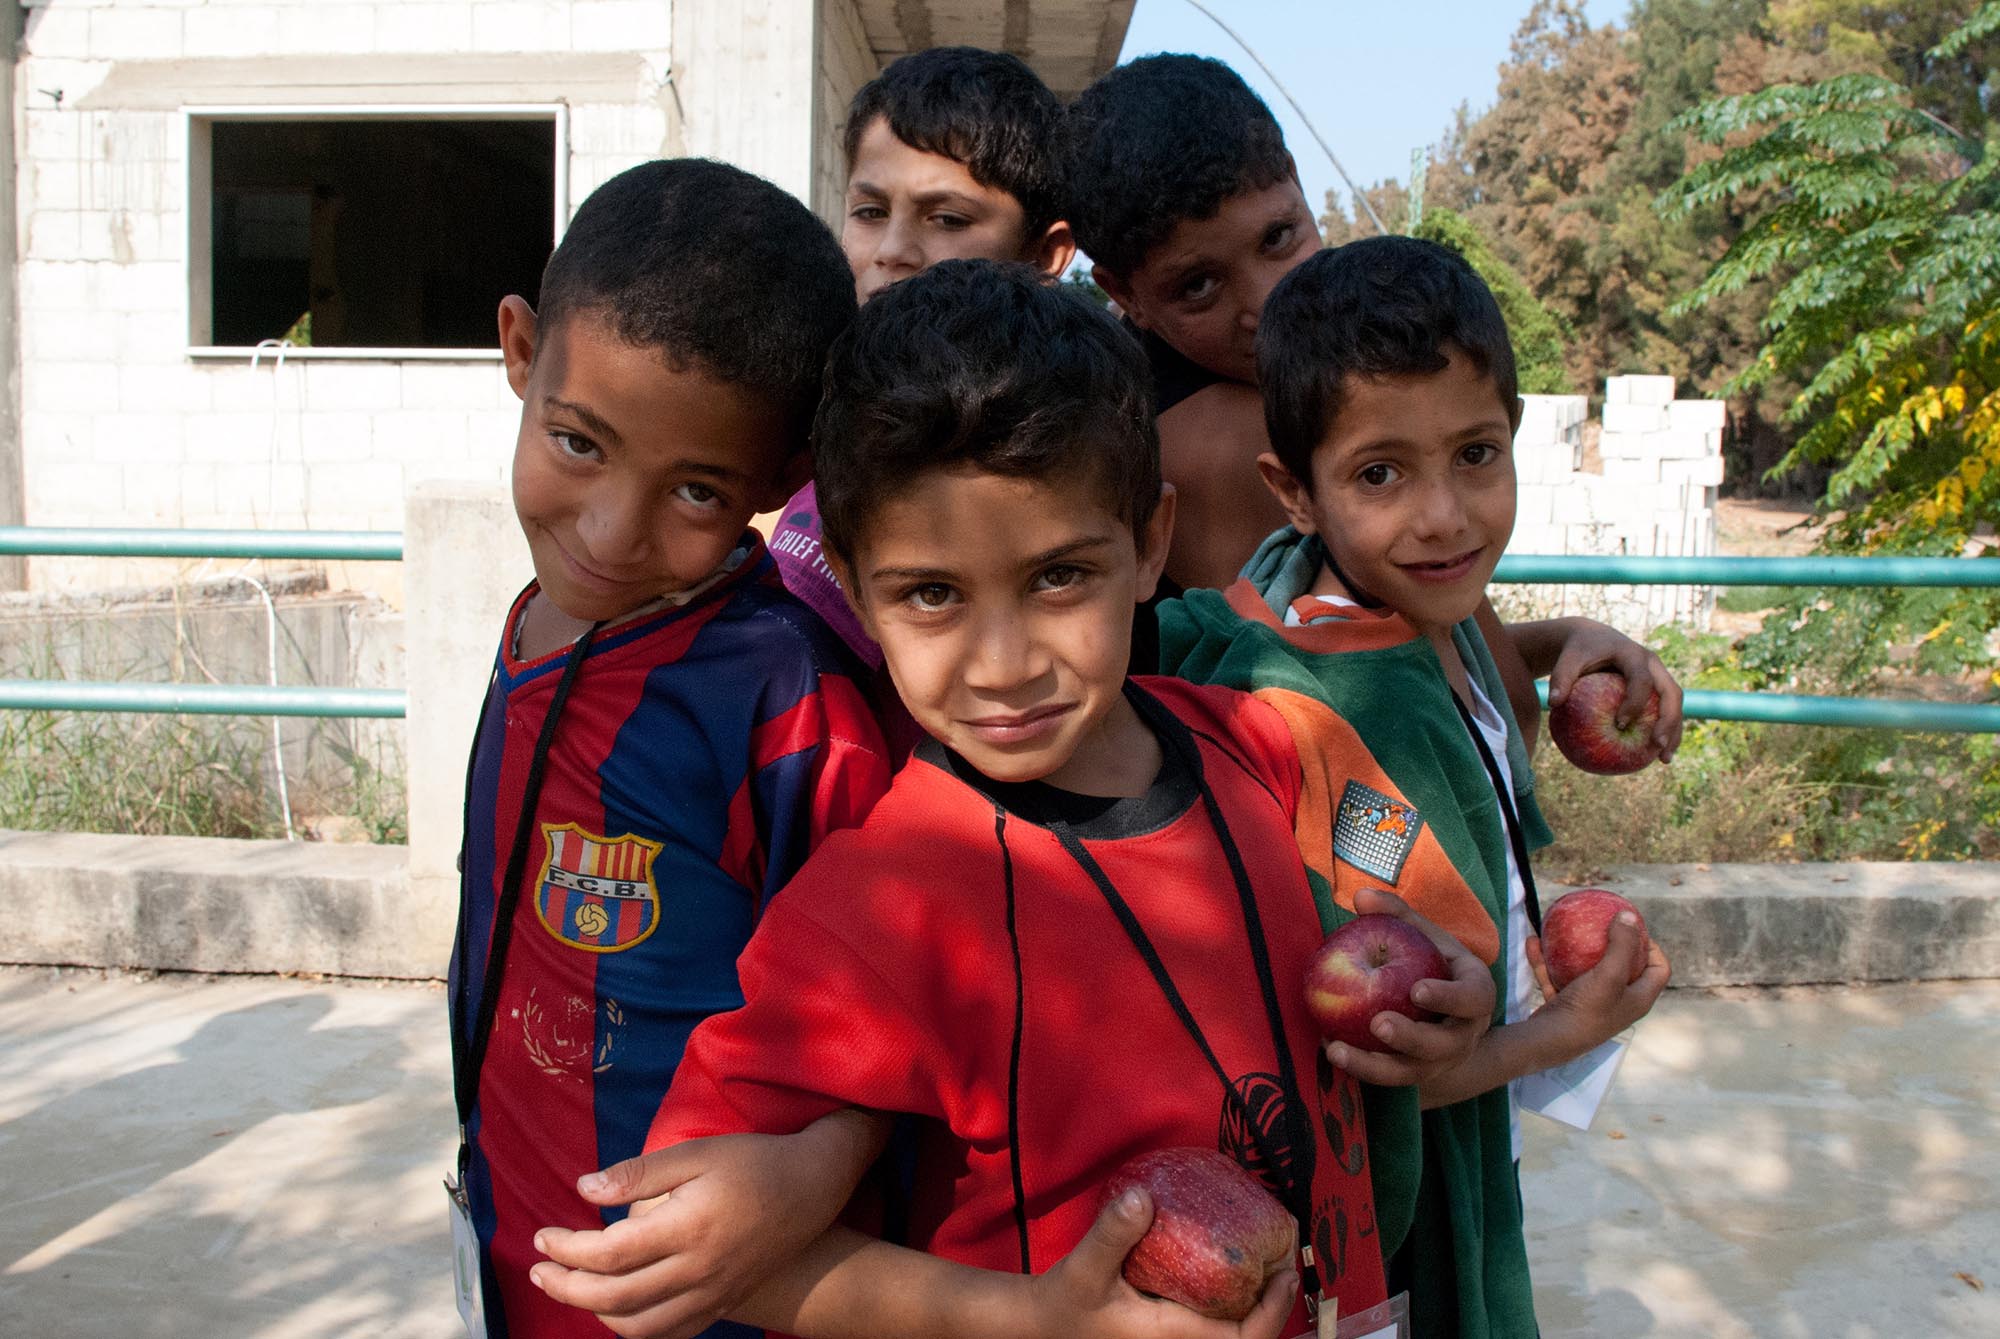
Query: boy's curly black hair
[[1381, 306], [985, 109], [1159, 140], [715, 268], [983, 363]]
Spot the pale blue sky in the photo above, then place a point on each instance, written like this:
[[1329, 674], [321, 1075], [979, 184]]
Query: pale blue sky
[[1378, 80]]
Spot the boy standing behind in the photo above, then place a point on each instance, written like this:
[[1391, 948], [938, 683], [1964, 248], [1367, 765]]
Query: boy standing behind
[[667, 733], [1185, 196], [951, 155], [1390, 399]]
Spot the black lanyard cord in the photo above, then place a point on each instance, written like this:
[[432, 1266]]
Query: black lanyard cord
[[466, 1077], [1296, 1173], [1505, 794]]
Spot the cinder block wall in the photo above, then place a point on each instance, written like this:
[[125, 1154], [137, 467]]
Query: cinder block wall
[[120, 426], [1654, 497]]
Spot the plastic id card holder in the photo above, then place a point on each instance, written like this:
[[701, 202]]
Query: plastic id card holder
[[1572, 1093], [1390, 1320], [465, 1261]]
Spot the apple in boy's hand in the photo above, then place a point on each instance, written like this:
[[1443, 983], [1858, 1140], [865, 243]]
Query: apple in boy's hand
[[1576, 929], [1365, 967], [1217, 1235], [1585, 726]]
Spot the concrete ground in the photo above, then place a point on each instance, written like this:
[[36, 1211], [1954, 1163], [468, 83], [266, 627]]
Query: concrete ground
[[259, 1157]]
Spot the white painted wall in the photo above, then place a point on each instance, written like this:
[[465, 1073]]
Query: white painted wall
[[120, 426], [845, 64], [1661, 467]]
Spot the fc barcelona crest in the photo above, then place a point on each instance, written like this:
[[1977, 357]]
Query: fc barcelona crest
[[596, 893]]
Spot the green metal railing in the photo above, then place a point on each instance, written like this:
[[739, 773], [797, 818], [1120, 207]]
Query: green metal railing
[[1583, 570], [1783, 708], [324, 545], [387, 546], [202, 699]]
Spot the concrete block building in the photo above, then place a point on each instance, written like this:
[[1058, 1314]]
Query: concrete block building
[[258, 244]]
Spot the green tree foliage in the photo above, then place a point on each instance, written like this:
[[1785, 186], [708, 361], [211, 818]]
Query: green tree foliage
[[1538, 337], [1880, 225]]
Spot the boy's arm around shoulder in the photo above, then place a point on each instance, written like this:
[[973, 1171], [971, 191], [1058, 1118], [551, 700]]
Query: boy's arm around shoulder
[[1589, 1011], [848, 1286], [711, 1220], [817, 759], [845, 1285]]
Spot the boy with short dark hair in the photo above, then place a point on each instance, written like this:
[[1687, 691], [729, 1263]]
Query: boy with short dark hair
[[1184, 195], [667, 733], [1391, 405], [952, 153], [1075, 929]]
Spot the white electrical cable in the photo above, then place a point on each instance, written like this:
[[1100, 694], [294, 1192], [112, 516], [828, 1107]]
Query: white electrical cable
[[271, 660], [277, 366], [270, 606]]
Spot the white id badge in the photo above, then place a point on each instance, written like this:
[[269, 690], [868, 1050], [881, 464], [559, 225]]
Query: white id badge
[[465, 1261], [1390, 1320], [1571, 1093]]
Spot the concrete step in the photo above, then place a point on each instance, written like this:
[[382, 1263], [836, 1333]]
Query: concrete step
[[1761, 925], [195, 904]]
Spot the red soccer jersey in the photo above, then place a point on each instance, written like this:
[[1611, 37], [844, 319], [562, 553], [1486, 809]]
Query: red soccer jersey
[[887, 978]]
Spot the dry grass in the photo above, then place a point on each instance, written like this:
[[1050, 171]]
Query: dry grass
[[1725, 804]]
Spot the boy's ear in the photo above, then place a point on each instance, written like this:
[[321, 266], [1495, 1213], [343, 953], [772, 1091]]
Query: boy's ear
[[1052, 252], [1154, 541], [1119, 292], [1514, 416], [1291, 494], [517, 341]]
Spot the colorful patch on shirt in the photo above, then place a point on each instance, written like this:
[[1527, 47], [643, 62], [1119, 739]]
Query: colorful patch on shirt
[[1375, 832], [597, 893]]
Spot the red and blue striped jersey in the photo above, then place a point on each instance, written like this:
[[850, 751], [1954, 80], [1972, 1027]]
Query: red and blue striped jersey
[[703, 752]]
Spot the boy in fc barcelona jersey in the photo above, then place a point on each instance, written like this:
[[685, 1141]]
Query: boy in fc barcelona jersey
[[667, 733]]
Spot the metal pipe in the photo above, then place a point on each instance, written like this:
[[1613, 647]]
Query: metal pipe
[[95, 542], [201, 699], [1590, 569], [1874, 713]]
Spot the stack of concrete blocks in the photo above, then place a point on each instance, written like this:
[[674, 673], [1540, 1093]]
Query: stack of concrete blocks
[[1661, 467]]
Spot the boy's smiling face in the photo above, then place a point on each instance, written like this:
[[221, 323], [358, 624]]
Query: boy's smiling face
[[1412, 490], [908, 209], [1202, 290], [1004, 610], [632, 479]]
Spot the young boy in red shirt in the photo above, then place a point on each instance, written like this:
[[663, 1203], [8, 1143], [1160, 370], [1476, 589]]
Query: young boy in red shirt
[[1077, 926]]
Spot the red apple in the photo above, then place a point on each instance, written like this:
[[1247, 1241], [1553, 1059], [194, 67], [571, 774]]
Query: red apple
[[1217, 1235], [1365, 967], [1585, 726], [1576, 929]]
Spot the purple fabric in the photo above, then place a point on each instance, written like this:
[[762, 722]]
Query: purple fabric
[[795, 546]]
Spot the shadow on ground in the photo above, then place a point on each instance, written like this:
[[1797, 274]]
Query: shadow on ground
[[243, 1157]]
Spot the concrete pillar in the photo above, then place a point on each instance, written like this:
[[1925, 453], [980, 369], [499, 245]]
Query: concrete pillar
[[746, 71], [464, 561], [13, 571]]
